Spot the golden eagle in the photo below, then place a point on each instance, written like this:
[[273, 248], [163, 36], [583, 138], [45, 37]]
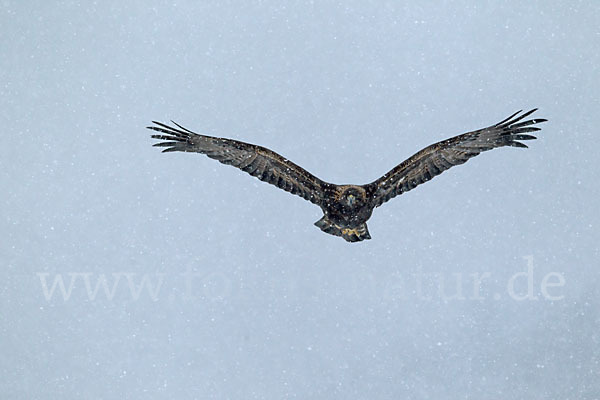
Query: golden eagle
[[347, 208]]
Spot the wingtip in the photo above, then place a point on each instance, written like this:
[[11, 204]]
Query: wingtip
[[519, 144], [505, 120], [182, 128]]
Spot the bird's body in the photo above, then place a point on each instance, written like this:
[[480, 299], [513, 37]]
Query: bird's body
[[346, 208]]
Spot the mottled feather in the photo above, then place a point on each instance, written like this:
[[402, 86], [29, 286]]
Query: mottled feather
[[258, 161], [437, 158]]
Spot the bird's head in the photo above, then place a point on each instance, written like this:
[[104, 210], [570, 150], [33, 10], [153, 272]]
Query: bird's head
[[353, 198]]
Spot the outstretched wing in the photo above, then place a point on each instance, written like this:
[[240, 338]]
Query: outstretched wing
[[435, 159], [258, 161]]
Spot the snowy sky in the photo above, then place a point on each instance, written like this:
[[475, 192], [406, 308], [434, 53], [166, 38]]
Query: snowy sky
[[184, 278]]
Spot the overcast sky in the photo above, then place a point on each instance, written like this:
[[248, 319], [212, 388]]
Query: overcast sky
[[184, 278]]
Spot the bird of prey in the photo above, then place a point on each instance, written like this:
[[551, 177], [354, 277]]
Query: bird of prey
[[346, 208]]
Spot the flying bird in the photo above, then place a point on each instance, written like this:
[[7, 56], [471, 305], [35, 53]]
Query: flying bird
[[346, 208]]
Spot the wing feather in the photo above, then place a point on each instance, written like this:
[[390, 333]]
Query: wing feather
[[437, 158], [258, 161]]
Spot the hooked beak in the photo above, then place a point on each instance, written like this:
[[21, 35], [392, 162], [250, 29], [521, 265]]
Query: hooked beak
[[351, 200]]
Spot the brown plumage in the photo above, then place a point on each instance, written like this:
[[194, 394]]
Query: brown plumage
[[347, 208]]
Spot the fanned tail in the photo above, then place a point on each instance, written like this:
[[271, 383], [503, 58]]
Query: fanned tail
[[356, 234]]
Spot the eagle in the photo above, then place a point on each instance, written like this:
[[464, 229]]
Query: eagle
[[346, 208]]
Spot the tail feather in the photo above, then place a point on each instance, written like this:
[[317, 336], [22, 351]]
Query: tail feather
[[355, 234]]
